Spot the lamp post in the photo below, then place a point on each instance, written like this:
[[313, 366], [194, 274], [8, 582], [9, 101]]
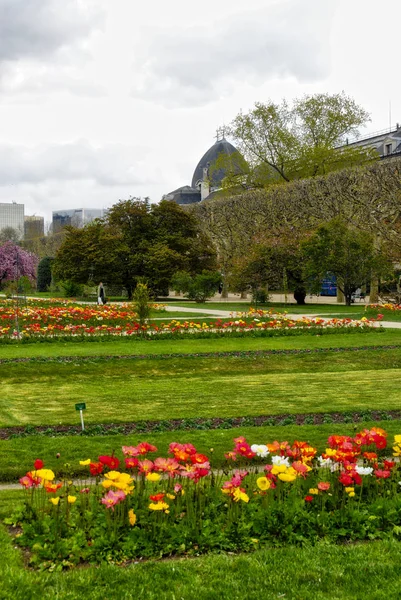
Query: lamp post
[[16, 295]]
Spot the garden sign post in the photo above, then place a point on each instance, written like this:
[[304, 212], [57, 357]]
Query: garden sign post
[[81, 406]]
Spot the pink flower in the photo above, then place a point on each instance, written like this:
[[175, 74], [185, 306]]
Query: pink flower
[[111, 499], [323, 486], [145, 466]]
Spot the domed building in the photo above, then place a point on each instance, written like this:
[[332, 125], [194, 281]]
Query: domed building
[[204, 183]]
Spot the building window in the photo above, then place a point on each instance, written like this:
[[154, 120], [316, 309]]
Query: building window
[[389, 148]]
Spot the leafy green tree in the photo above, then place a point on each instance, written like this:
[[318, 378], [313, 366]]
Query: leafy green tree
[[198, 287], [142, 303], [135, 242], [348, 254], [44, 278], [253, 271], [282, 142]]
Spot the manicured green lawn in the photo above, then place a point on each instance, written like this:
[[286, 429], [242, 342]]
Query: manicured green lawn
[[126, 390], [322, 572], [185, 345]]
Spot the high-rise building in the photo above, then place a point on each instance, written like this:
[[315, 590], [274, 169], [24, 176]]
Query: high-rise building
[[12, 216], [34, 227], [77, 217]]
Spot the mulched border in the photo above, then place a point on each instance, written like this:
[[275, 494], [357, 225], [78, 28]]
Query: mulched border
[[228, 354], [199, 424]]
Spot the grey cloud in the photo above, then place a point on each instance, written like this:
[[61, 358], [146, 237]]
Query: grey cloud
[[39, 28], [197, 65], [110, 165]]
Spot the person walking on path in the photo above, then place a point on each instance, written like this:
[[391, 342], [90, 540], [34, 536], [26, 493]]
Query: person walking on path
[[100, 294]]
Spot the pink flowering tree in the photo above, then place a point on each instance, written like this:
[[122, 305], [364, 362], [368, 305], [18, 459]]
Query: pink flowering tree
[[15, 262]]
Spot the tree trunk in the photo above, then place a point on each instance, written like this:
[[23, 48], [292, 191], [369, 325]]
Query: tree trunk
[[340, 295], [374, 291], [300, 295]]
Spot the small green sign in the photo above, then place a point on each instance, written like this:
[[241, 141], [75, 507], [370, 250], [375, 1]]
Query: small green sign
[[80, 406]]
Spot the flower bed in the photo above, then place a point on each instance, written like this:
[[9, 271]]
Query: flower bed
[[142, 505], [38, 321]]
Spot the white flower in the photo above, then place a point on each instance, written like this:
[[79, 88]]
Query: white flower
[[363, 470], [280, 460], [327, 463], [260, 450]]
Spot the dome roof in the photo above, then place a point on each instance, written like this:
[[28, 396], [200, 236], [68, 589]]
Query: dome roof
[[220, 147]]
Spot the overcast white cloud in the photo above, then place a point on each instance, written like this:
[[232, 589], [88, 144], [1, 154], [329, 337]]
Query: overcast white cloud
[[100, 100], [197, 65], [34, 29], [41, 42]]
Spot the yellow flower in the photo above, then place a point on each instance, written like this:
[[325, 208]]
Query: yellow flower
[[106, 484], [71, 499], [288, 476], [45, 474], [131, 517], [351, 494], [349, 489], [239, 495], [314, 491], [114, 475], [54, 501], [397, 439], [153, 477], [263, 483], [279, 469], [170, 496], [86, 462], [397, 450], [158, 506]]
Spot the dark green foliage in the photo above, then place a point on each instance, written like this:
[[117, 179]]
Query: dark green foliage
[[347, 253], [44, 274], [136, 242], [198, 287]]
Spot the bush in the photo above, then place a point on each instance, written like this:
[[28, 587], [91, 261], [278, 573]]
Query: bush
[[198, 287], [70, 289]]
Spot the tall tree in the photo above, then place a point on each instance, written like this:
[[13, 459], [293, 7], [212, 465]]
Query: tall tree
[[309, 138], [336, 249]]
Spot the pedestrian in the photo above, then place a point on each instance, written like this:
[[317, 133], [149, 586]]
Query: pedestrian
[[100, 294]]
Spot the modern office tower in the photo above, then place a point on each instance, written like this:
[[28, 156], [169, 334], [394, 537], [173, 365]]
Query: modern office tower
[[77, 217], [34, 227], [12, 216]]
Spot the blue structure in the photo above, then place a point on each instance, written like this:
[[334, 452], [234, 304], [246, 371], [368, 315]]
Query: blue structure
[[329, 287]]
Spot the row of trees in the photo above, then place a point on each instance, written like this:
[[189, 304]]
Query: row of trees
[[300, 265], [136, 242]]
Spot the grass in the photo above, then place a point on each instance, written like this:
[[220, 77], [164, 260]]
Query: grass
[[322, 572], [186, 345], [125, 390], [17, 455]]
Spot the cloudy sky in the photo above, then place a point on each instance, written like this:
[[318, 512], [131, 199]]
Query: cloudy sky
[[105, 99]]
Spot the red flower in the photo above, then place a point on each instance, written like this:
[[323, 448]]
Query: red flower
[[308, 498], [131, 462], [345, 479], [389, 464], [157, 497], [96, 468], [198, 458], [110, 461], [38, 464]]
